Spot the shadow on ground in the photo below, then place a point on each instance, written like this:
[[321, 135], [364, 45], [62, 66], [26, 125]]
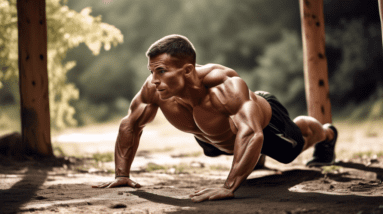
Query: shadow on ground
[[23, 191], [377, 170], [270, 194], [32, 174], [264, 194]]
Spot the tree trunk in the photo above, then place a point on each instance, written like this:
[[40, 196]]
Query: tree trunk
[[381, 15], [314, 59], [33, 77]]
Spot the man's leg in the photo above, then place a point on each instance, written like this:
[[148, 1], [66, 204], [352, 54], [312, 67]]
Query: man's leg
[[314, 132]]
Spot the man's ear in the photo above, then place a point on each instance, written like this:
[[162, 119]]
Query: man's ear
[[188, 68]]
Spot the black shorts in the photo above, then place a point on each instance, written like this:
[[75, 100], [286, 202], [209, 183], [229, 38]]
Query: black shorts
[[283, 139]]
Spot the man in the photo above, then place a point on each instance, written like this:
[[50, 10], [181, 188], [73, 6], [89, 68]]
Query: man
[[215, 105]]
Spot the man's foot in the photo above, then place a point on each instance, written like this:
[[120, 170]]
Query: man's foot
[[324, 153]]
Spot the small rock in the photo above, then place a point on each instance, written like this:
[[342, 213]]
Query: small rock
[[117, 206], [197, 164], [120, 193], [172, 170], [39, 197]]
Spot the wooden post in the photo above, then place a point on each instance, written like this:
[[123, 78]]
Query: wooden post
[[314, 59], [33, 77], [381, 15]]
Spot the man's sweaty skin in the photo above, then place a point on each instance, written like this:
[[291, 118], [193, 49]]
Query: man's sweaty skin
[[212, 103]]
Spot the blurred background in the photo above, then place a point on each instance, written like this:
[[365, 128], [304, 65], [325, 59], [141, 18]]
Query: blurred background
[[97, 59]]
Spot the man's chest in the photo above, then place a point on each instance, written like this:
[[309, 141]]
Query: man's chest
[[202, 119]]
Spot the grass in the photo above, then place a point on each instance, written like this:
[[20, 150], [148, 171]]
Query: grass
[[103, 157], [173, 169], [187, 155], [194, 154], [219, 167], [367, 154], [160, 150], [180, 168], [331, 169], [58, 152], [150, 167]]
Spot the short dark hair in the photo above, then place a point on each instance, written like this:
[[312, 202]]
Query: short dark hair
[[176, 46]]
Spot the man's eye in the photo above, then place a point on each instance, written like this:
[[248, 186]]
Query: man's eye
[[162, 71]]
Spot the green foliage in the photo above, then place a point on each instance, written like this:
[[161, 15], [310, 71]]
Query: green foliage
[[223, 31], [219, 167], [280, 70], [153, 167], [356, 75], [103, 157], [172, 169], [260, 39], [331, 169], [58, 151], [180, 168], [365, 154], [66, 30], [192, 154]]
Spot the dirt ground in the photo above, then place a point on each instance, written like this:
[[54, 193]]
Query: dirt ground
[[169, 165]]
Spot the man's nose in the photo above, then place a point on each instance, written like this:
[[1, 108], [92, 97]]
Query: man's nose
[[155, 79]]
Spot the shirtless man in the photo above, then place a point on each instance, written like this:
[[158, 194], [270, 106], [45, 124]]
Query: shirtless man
[[215, 105]]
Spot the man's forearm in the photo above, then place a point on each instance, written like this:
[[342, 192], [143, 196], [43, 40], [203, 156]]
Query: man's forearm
[[125, 150], [246, 154]]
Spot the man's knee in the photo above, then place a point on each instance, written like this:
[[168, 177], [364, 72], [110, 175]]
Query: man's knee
[[310, 127], [303, 124]]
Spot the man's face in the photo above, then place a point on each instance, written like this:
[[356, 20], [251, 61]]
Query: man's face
[[166, 75]]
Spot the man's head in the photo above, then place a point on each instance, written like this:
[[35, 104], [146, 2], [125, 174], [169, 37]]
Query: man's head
[[172, 64], [177, 46]]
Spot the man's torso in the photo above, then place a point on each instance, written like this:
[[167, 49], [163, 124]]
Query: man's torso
[[209, 121]]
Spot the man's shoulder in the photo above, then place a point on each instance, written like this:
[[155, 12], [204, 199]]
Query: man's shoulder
[[214, 74], [230, 94], [148, 92]]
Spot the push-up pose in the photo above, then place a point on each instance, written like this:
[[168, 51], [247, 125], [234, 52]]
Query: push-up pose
[[215, 105]]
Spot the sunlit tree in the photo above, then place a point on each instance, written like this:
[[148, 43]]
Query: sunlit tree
[[66, 30]]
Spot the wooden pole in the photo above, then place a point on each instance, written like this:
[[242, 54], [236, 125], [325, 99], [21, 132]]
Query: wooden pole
[[33, 76], [381, 15], [314, 60]]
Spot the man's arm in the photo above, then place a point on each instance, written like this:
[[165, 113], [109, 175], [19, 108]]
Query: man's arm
[[130, 132], [248, 144], [248, 119], [142, 111]]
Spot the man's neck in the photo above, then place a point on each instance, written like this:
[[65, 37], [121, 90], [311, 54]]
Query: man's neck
[[193, 92]]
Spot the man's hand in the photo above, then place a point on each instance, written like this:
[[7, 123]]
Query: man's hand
[[211, 194], [119, 182]]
